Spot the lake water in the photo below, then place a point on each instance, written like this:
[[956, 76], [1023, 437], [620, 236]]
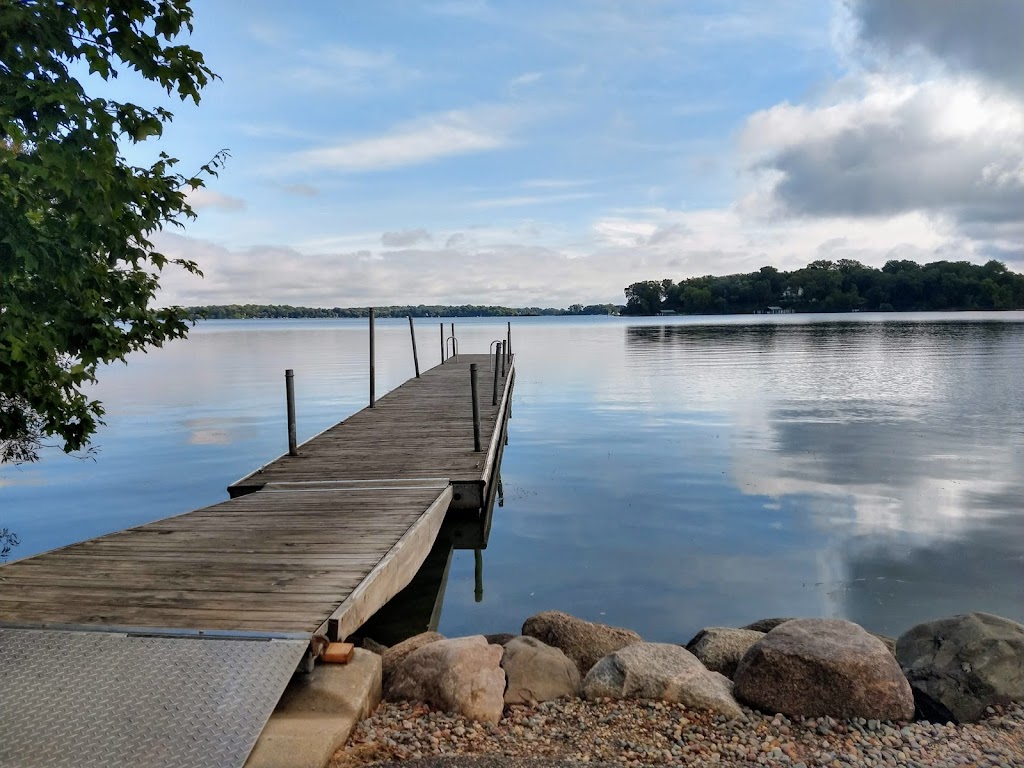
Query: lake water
[[663, 475]]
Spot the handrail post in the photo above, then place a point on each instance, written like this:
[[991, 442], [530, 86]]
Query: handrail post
[[497, 353], [289, 391], [476, 408], [503, 359], [510, 338], [415, 357], [373, 363], [442, 343]]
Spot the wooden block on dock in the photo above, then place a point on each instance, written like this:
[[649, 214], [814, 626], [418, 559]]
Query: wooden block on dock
[[338, 653]]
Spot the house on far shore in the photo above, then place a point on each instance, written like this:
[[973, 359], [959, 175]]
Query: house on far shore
[[667, 312], [773, 310]]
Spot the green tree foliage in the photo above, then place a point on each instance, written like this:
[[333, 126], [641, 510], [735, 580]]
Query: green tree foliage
[[78, 272], [840, 286]]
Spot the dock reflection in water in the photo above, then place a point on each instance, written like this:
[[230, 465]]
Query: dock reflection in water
[[417, 608]]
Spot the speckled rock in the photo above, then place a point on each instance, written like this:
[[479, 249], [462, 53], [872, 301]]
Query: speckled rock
[[960, 665], [537, 672], [766, 625], [814, 667], [585, 642], [663, 672], [721, 648], [396, 654], [461, 675], [499, 638]]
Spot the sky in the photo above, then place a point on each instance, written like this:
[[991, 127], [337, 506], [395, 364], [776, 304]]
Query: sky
[[543, 154]]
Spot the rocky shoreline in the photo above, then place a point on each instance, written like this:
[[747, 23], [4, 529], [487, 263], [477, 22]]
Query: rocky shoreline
[[811, 692]]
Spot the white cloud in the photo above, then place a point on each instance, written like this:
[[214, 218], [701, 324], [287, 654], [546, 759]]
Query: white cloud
[[527, 78], [949, 148], [535, 263], [980, 36], [445, 135], [204, 198], [522, 200], [404, 238], [345, 68]]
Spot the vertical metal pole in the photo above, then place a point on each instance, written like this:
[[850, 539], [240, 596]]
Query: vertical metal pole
[[289, 392], [503, 359], [373, 363], [510, 337], [442, 343], [455, 344], [476, 408], [497, 354], [478, 575], [415, 357]]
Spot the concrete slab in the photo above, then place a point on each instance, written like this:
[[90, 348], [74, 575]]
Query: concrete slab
[[317, 713]]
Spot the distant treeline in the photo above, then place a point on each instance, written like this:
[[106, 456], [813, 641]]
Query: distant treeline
[[836, 286], [248, 311]]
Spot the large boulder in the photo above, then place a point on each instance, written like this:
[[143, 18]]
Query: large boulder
[[721, 648], [585, 642], [817, 667], [392, 657], [663, 672], [537, 672], [462, 675], [767, 625], [961, 665]]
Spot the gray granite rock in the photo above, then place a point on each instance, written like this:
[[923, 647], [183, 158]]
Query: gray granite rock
[[537, 672], [960, 665], [766, 625], [462, 675], [663, 672], [721, 648], [585, 642], [393, 656], [817, 667]]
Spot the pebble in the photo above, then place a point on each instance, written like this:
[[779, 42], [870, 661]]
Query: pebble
[[637, 733]]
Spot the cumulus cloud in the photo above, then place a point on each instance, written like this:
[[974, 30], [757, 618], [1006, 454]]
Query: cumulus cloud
[[204, 198], [907, 135], [533, 264], [945, 146], [980, 36]]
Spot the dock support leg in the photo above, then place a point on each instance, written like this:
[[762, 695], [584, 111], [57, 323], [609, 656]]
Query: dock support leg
[[497, 354], [289, 392], [415, 357], [478, 576], [476, 407], [373, 363]]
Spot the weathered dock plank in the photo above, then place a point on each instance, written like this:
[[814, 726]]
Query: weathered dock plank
[[312, 543], [421, 428], [204, 574]]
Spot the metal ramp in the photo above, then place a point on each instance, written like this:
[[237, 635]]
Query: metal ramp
[[75, 697]]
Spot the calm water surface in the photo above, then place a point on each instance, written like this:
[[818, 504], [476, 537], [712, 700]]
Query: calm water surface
[[662, 475]]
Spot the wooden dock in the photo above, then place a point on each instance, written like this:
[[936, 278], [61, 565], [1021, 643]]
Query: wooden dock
[[312, 544]]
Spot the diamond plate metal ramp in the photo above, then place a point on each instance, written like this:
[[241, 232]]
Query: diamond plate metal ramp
[[70, 698]]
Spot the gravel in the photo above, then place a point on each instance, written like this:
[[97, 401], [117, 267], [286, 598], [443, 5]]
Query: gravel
[[640, 733]]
